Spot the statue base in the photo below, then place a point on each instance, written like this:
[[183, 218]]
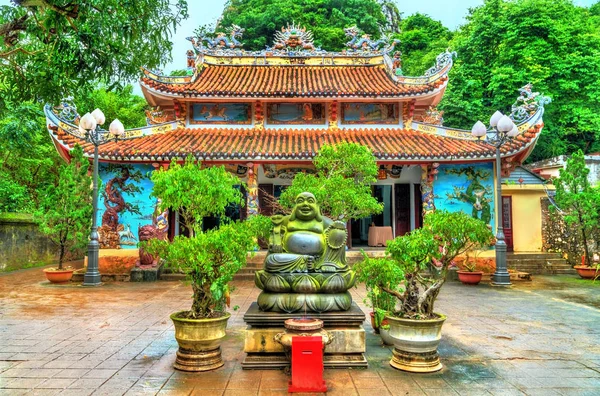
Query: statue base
[[263, 352], [146, 274]]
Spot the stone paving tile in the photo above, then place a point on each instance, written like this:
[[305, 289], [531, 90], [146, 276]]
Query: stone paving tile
[[531, 339]]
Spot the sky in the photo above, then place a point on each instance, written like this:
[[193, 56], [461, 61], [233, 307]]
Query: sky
[[450, 12]]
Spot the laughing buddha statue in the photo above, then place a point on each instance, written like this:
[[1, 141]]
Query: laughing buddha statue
[[305, 268]]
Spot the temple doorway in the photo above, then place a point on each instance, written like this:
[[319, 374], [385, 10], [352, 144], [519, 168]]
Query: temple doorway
[[359, 228]]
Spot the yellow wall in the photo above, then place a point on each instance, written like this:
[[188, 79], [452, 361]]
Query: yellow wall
[[526, 216]]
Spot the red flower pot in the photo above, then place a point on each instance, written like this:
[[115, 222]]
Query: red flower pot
[[587, 272], [56, 276], [470, 278]]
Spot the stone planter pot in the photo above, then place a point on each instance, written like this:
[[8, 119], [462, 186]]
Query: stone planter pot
[[587, 272], [384, 333], [199, 342], [470, 278], [56, 276], [415, 344]]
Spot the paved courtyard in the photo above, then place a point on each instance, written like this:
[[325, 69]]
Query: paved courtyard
[[538, 338]]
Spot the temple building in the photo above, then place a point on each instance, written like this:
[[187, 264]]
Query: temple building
[[265, 114]]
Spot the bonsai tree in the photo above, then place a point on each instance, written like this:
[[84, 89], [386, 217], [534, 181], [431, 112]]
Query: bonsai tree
[[376, 273], [444, 236], [579, 203], [209, 258], [341, 184], [65, 211]]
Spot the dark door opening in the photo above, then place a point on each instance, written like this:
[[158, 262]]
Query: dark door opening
[[507, 222], [402, 202]]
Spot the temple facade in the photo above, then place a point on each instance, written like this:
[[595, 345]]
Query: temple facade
[[265, 114]]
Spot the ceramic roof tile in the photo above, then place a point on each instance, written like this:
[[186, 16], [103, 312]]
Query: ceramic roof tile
[[294, 144], [293, 81]]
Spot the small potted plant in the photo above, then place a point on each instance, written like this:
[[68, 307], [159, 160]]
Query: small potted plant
[[414, 325], [380, 302], [591, 271], [65, 213], [467, 272], [209, 258]]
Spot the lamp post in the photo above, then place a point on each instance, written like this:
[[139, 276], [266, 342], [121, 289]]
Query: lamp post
[[502, 129], [89, 126]]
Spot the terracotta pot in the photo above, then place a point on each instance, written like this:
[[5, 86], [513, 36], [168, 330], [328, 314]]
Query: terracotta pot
[[415, 344], [469, 278], [61, 276], [587, 272], [199, 342], [375, 328]]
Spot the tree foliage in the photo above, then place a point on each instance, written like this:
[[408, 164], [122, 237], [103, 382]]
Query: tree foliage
[[422, 39], [29, 161], [444, 236], [195, 192], [209, 258], [119, 104], [578, 201], [551, 43], [52, 48], [325, 18], [342, 183], [65, 211]]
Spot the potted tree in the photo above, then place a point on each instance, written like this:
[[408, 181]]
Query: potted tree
[[467, 272], [579, 205], [414, 325], [209, 258], [65, 213]]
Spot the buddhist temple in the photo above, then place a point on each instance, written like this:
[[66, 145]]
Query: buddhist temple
[[265, 114]]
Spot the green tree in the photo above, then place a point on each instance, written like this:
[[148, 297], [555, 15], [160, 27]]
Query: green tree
[[342, 183], [208, 192], [29, 161], [579, 203], [65, 212], [551, 43], [119, 103], [444, 236], [52, 48], [325, 18], [209, 258], [422, 39]]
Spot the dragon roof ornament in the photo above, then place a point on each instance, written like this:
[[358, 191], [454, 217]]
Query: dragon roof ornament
[[441, 61], [222, 42], [361, 42], [528, 103]]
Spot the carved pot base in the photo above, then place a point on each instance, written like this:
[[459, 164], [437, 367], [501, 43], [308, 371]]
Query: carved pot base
[[198, 361], [416, 362], [291, 302]]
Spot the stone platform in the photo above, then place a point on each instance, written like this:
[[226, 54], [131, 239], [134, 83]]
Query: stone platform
[[346, 350]]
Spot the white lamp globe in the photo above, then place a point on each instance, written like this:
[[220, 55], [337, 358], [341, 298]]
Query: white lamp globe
[[495, 118], [88, 122], [116, 128], [99, 116], [505, 124], [479, 130], [513, 132]]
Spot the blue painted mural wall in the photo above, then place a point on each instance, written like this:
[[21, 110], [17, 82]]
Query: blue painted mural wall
[[135, 191], [467, 188]]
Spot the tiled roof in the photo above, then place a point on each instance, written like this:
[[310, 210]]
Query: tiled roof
[[295, 144], [293, 81]]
